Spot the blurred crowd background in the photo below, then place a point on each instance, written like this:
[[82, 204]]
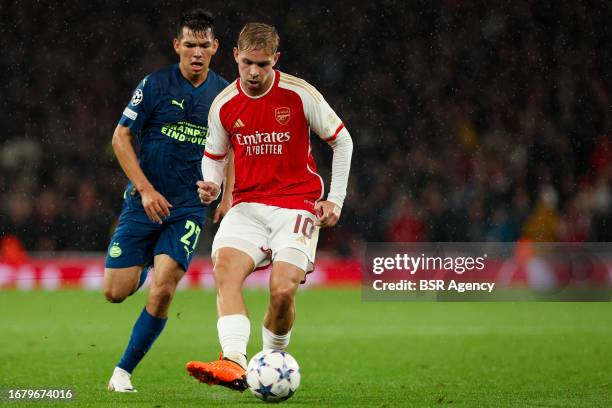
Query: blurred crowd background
[[471, 122]]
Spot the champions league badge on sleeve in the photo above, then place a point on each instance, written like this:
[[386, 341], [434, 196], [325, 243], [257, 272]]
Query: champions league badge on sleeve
[[137, 97]]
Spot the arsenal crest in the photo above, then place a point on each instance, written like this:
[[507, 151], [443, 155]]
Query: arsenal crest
[[282, 115]]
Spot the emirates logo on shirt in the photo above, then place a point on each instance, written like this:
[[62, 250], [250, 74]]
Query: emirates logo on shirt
[[263, 143], [282, 115]]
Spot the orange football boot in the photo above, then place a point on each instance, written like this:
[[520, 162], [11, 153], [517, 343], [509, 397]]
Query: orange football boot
[[223, 372]]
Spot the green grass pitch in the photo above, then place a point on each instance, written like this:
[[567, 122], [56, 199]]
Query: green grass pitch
[[352, 353]]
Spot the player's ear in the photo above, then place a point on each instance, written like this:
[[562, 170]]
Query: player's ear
[[236, 54], [276, 57], [176, 43], [215, 46]]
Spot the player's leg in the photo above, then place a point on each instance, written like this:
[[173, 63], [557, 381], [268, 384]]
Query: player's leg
[[170, 261], [168, 274], [153, 317], [130, 250], [293, 241], [236, 252], [172, 255], [119, 283], [284, 282], [231, 267], [129, 253]]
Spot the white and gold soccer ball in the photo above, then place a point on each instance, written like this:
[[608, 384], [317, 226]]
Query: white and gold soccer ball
[[273, 375]]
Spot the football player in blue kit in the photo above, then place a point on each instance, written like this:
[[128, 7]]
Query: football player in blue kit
[[162, 216]]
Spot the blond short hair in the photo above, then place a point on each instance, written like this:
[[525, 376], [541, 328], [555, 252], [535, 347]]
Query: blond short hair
[[258, 36]]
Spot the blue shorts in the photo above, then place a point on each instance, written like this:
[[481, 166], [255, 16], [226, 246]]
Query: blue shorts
[[137, 239]]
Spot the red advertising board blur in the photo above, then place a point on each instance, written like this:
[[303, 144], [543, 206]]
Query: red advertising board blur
[[88, 273]]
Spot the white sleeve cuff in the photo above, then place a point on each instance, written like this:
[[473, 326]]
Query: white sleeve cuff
[[336, 200], [213, 170]]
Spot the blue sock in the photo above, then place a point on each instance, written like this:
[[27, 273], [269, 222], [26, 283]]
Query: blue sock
[[145, 331]]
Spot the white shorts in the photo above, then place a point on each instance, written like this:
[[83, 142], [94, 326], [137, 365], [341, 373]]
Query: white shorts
[[262, 231]]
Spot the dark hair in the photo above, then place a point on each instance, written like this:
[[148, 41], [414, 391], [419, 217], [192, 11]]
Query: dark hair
[[197, 20]]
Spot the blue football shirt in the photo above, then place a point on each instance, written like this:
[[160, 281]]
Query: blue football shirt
[[170, 117]]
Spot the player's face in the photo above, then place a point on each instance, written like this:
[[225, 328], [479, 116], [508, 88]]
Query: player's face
[[255, 68], [195, 51]]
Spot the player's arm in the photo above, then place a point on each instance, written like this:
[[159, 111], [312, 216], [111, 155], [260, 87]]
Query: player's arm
[[328, 126], [133, 119], [215, 157], [154, 204], [228, 186], [330, 209]]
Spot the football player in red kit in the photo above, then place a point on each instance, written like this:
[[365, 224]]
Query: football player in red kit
[[265, 118]]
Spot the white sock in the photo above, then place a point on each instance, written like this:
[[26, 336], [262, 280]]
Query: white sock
[[121, 370], [274, 341], [234, 331]]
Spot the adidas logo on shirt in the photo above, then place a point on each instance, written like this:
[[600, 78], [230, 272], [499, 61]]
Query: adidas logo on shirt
[[238, 123]]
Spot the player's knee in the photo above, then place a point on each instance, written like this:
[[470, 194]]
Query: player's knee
[[225, 283], [115, 295], [225, 280], [162, 294], [222, 267], [281, 296]]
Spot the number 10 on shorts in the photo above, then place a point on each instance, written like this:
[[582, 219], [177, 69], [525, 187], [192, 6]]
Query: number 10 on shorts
[[304, 225]]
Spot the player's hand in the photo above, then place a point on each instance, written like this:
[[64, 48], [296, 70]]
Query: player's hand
[[328, 214], [207, 191], [222, 209], [155, 205]]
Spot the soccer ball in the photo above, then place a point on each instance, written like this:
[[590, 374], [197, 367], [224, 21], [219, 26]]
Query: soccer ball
[[273, 375]]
